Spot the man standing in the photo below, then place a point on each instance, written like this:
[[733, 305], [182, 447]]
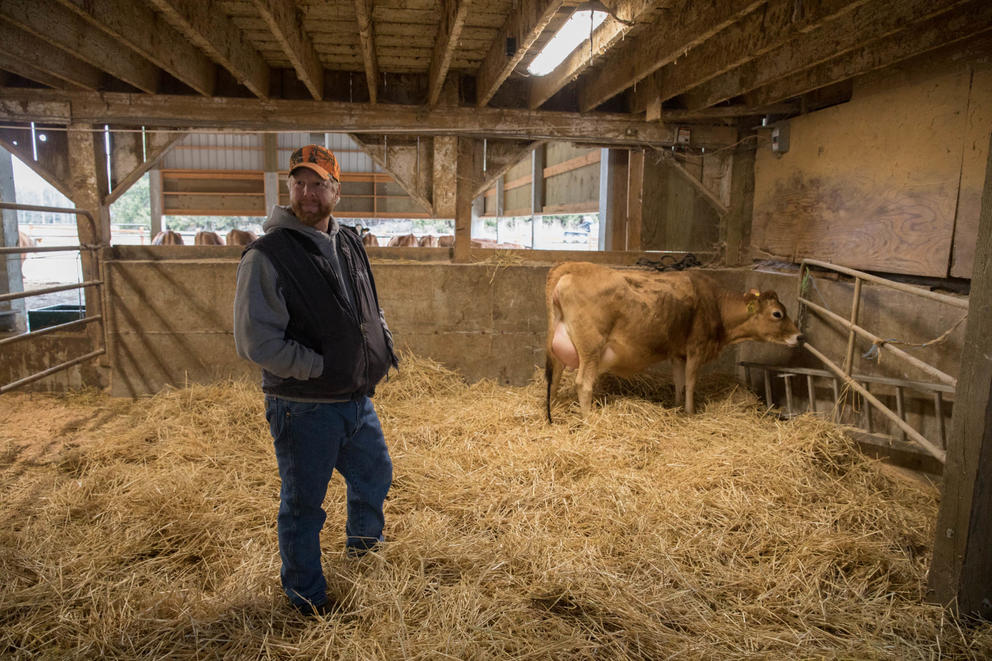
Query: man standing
[[306, 311]]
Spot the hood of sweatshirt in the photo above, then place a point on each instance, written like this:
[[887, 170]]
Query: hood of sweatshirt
[[283, 217]]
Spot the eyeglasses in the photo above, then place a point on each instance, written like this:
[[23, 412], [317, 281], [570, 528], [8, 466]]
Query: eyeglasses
[[320, 186]]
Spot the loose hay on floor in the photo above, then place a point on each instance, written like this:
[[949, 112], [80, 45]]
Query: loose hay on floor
[[147, 528]]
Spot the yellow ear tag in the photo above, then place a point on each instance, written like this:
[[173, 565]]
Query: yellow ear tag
[[751, 307]]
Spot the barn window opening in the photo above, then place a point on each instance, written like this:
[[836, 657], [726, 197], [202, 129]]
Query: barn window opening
[[579, 27]]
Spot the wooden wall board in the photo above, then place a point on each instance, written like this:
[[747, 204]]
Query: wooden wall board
[[974, 158], [870, 184]]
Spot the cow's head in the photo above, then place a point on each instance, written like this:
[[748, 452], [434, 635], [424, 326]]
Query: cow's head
[[767, 320]]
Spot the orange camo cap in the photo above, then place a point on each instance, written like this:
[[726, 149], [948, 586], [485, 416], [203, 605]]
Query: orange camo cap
[[319, 159]]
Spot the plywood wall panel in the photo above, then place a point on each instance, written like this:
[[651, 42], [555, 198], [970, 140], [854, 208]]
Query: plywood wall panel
[[873, 183]]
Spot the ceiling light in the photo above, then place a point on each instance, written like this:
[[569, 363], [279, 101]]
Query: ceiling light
[[576, 30]]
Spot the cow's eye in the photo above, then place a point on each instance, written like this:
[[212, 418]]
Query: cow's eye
[[777, 314]]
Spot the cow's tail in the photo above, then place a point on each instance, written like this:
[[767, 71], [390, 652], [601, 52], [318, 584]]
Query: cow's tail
[[549, 369]]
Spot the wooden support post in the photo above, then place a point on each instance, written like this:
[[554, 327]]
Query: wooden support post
[[89, 187], [156, 199], [270, 144], [12, 316], [635, 195], [465, 176], [961, 568], [736, 226]]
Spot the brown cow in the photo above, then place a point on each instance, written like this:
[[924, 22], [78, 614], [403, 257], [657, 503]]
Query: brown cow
[[238, 237], [167, 238], [427, 241], [369, 239], [403, 241], [204, 238], [622, 321], [446, 240]]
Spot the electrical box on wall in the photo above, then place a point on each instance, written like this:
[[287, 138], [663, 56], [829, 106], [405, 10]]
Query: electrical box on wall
[[780, 138]]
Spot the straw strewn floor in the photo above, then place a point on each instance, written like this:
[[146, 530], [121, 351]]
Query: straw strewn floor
[[147, 528]]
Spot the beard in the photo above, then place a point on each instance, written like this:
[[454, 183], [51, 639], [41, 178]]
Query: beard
[[312, 212]]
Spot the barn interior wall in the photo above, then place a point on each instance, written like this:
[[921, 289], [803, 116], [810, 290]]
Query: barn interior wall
[[890, 181], [675, 216]]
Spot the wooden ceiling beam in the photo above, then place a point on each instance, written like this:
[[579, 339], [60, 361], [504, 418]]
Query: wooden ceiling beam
[[286, 26], [523, 27], [28, 70], [604, 38], [65, 30], [755, 34], [213, 32], [18, 46], [453, 13], [962, 23], [366, 37], [185, 112], [148, 34], [852, 30], [685, 25]]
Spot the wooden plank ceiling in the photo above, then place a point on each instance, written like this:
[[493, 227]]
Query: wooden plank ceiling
[[437, 67]]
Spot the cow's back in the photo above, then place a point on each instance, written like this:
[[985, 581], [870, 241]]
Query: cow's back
[[636, 317]]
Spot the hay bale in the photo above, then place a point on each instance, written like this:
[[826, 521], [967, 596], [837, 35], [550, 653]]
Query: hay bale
[[147, 528]]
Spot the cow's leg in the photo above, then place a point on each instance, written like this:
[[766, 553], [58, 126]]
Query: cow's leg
[[584, 382], [678, 376], [691, 366], [552, 374]]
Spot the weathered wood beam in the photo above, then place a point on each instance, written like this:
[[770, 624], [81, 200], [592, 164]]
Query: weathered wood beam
[[687, 24], [150, 35], [287, 28], [366, 37], [212, 31], [408, 163], [961, 568], [53, 155], [162, 111], [729, 112], [453, 13], [960, 24], [498, 157], [523, 26], [605, 37], [62, 29], [755, 34], [28, 70], [852, 30], [21, 46], [130, 159], [444, 177]]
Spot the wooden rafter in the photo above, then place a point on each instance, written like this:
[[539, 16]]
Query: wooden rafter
[[286, 115], [850, 31], [214, 33], [144, 31], [453, 13], [604, 38], [963, 23], [60, 28], [639, 57], [366, 37], [523, 26], [757, 33], [286, 26], [15, 43]]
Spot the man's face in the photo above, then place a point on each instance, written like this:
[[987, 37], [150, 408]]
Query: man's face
[[311, 198]]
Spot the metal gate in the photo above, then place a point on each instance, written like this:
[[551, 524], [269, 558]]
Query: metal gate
[[31, 336]]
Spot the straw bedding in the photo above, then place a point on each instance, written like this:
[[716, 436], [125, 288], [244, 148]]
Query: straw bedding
[[147, 529]]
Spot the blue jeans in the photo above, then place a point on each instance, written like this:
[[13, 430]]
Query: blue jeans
[[311, 440]]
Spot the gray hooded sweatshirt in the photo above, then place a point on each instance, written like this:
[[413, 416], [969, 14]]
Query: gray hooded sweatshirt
[[260, 313]]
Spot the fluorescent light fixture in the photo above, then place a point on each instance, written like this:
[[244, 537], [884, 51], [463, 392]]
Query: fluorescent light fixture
[[576, 30]]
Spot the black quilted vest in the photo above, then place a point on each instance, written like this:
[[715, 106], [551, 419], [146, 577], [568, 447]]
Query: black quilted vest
[[349, 335]]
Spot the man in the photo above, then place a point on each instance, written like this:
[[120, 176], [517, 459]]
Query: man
[[306, 311]]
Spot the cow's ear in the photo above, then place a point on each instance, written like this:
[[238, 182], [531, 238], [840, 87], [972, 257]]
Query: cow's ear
[[753, 292]]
